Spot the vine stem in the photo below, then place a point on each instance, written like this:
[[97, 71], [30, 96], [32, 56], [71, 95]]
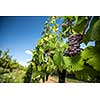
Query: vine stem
[[86, 25], [70, 25]]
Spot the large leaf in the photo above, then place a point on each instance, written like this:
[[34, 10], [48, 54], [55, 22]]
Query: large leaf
[[58, 60], [95, 62], [87, 53], [96, 31], [92, 56], [87, 74], [67, 61], [75, 63]]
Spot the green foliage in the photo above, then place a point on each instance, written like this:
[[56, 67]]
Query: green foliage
[[87, 74], [81, 22], [95, 35], [91, 31], [12, 77], [58, 60], [92, 56], [28, 74], [10, 70], [74, 63], [48, 55]]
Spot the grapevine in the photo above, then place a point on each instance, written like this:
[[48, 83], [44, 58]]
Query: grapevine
[[59, 53]]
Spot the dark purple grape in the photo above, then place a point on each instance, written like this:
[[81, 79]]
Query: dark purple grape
[[72, 49], [70, 53], [75, 48], [74, 44], [78, 50], [71, 36], [77, 45], [75, 51], [71, 43], [72, 40]]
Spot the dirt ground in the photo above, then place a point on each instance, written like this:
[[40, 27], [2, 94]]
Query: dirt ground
[[51, 80]]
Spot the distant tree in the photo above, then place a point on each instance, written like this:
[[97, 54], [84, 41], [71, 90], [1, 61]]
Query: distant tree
[[10, 70]]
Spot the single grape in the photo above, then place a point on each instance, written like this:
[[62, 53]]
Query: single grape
[[75, 51], [71, 43], [75, 42], [77, 45], [78, 50], [75, 48], [71, 36], [72, 49]]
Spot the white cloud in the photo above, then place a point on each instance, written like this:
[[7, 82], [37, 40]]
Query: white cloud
[[28, 52], [23, 63], [28, 59]]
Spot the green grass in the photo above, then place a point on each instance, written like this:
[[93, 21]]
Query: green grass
[[69, 80]]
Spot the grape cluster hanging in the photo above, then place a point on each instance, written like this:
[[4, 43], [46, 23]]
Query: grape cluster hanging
[[73, 44]]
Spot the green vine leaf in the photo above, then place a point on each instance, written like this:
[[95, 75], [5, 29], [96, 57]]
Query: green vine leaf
[[92, 56], [58, 58], [80, 24], [87, 74], [95, 35], [74, 62]]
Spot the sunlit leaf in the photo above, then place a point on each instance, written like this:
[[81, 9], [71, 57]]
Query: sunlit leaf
[[95, 35], [74, 62], [92, 56]]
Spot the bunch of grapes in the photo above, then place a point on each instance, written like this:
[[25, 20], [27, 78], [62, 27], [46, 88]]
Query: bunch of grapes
[[73, 44]]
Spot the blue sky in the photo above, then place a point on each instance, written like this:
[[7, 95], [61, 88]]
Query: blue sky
[[20, 34]]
